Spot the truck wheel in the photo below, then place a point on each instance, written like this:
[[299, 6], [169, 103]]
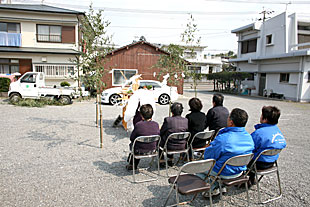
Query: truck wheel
[[65, 100], [15, 97]]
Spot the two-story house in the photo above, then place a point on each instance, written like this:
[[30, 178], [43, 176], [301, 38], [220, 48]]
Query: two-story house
[[39, 38], [277, 54]]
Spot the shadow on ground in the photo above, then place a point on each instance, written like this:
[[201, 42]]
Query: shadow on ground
[[117, 132]]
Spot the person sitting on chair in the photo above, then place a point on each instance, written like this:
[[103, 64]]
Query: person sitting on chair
[[217, 116], [196, 122], [231, 141], [173, 124], [267, 135], [146, 127]]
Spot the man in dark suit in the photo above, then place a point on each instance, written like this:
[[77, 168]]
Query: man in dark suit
[[145, 127], [217, 116], [174, 124]]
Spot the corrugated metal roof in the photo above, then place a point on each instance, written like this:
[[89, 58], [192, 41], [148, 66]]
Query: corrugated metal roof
[[39, 50], [38, 8]]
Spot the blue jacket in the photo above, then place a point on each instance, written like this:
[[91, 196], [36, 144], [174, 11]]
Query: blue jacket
[[267, 136], [229, 142]]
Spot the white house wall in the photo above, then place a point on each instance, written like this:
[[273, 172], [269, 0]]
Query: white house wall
[[28, 22], [305, 90], [273, 82]]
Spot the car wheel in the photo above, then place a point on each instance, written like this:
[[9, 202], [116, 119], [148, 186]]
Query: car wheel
[[15, 97], [115, 99], [164, 99], [65, 100]]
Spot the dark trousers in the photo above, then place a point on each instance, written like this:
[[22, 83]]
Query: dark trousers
[[130, 160], [259, 166]]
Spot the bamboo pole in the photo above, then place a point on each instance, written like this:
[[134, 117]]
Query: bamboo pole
[[97, 110], [101, 129]]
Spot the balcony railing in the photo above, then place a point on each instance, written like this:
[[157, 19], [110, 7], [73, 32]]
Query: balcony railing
[[10, 39], [48, 38], [55, 71], [301, 46]]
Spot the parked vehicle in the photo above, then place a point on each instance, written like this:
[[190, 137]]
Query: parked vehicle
[[163, 92], [32, 85]]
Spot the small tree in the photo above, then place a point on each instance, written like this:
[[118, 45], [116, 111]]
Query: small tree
[[172, 64], [189, 36], [95, 45]]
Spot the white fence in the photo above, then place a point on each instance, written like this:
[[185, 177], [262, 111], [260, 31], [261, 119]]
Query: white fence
[[55, 71]]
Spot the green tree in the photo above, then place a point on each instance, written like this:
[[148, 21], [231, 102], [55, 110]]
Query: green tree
[[95, 45], [190, 38]]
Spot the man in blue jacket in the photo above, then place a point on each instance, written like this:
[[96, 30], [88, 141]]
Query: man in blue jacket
[[231, 141], [267, 135]]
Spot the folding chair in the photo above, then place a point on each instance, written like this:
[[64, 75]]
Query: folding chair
[[212, 138], [175, 136], [261, 173], [206, 135], [238, 161], [189, 183], [153, 153]]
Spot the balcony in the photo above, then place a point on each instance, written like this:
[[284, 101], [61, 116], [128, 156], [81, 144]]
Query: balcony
[[10, 39], [48, 38], [55, 71]]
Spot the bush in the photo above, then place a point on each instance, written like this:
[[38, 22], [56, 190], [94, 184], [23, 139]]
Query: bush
[[4, 84], [64, 83], [37, 102]]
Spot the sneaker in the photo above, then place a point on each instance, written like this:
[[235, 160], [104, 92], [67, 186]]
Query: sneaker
[[215, 192]]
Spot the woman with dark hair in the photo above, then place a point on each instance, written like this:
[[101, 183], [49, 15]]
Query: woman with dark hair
[[196, 122]]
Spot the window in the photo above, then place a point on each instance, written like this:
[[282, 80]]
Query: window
[[119, 75], [284, 77], [308, 76], [153, 84], [9, 66], [269, 40], [190, 55], [251, 76], [248, 46], [48, 33], [29, 78], [9, 27]]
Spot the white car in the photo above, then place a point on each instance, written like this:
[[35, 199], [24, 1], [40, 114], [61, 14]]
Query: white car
[[163, 92]]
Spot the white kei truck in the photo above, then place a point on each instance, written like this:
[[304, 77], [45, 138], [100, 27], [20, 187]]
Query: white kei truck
[[32, 85]]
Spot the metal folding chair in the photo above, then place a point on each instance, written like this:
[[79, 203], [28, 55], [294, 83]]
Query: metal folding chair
[[212, 138], [187, 183], [206, 135], [154, 153], [239, 160], [261, 173], [175, 136]]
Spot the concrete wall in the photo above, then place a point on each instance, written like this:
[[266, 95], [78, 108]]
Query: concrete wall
[[289, 90], [276, 27], [305, 90]]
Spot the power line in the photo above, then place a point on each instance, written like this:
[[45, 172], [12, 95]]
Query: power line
[[263, 1]]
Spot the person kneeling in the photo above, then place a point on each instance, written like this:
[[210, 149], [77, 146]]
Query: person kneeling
[[146, 127]]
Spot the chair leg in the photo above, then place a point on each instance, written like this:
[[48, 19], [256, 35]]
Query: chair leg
[[166, 161], [158, 166], [210, 197], [220, 186], [258, 191], [247, 193], [177, 195], [169, 194]]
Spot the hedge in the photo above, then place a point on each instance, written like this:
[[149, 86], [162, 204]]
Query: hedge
[[4, 84]]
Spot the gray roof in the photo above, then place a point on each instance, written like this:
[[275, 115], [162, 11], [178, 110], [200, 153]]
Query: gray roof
[[38, 8], [38, 50]]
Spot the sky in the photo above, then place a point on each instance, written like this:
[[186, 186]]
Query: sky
[[163, 21]]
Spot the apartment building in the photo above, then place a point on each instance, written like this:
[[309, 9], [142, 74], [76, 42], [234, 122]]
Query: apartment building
[[277, 54], [39, 38]]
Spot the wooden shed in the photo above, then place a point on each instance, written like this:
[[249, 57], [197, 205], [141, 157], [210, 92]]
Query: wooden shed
[[136, 58]]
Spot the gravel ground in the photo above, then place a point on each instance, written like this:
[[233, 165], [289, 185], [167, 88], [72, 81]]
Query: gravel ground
[[51, 157]]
